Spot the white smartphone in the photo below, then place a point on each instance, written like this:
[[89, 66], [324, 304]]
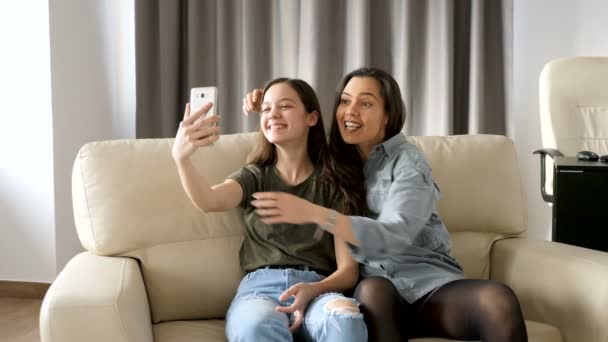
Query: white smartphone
[[200, 96]]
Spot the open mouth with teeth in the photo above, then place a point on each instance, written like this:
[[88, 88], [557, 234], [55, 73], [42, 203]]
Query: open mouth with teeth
[[351, 126], [276, 127]]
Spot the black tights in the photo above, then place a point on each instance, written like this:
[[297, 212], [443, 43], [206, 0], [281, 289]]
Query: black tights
[[466, 309]]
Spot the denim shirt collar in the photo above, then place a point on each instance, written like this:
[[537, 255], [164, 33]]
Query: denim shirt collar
[[389, 147]]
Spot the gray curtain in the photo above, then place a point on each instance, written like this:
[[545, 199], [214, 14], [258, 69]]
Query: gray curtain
[[451, 58]]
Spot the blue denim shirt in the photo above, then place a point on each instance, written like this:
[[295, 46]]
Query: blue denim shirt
[[404, 239]]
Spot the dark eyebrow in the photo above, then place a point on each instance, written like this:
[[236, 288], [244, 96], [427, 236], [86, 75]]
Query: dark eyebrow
[[281, 100], [364, 93], [370, 94]]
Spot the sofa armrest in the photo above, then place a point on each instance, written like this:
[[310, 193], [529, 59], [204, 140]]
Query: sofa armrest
[[557, 284], [95, 299]]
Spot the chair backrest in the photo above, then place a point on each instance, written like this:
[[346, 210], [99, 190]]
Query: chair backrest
[[128, 201], [573, 95]]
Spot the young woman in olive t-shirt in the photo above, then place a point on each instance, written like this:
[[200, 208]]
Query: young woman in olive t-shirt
[[294, 276]]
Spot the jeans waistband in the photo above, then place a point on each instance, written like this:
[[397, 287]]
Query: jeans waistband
[[293, 267]]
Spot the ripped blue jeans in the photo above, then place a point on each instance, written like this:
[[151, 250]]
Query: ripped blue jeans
[[252, 315]]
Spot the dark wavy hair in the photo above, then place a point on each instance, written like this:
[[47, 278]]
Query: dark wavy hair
[[346, 163]]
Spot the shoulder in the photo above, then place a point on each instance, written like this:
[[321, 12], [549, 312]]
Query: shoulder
[[256, 170], [407, 158], [403, 152], [249, 173]]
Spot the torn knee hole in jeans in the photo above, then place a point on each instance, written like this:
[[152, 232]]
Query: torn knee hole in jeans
[[343, 306]]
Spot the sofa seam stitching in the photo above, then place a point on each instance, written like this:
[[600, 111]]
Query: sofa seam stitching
[[86, 199], [172, 243], [121, 282]]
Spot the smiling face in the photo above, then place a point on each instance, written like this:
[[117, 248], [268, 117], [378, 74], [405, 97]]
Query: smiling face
[[360, 114], [284, 117]]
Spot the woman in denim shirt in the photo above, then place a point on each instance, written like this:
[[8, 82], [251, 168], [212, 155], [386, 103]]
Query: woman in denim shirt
[[412, 286]]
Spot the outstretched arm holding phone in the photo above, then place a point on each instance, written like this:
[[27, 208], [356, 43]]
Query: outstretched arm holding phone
[[192, 134]]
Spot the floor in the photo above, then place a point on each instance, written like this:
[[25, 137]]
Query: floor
[[19, 319]]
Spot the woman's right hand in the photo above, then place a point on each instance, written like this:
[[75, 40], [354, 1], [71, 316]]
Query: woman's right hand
[[194, 133], [252, 102]]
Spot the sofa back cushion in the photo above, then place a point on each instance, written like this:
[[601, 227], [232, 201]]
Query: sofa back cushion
[[479, 179], [128, 201]]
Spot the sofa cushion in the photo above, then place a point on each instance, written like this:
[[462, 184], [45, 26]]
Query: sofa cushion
[[190, 331], [127, 194], [479, 179], [191, 279]]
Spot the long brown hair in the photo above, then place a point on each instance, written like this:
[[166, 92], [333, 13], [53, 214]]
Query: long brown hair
[[265, 154], [346, 163]]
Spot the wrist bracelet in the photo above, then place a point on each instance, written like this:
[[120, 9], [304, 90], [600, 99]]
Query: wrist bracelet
[[331, 221]]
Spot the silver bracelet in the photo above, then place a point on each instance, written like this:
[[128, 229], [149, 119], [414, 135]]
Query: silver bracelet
[[331, 221]]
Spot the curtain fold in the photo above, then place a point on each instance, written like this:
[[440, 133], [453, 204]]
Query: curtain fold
[[449, 57]]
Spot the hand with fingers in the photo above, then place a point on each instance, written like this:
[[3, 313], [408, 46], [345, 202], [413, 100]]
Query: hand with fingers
[[303, 294], [194, 132], [252, 102], [281, 207]]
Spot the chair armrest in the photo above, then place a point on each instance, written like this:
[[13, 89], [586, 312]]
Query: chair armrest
[[551, 152], [544, 152], [557, 284], [94, 299]]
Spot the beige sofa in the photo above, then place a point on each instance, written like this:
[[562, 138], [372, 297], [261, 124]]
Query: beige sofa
[[156, 269]]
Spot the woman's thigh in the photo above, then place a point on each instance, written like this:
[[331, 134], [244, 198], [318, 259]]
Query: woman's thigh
[[253, 309], [470, 309], [253, 317]]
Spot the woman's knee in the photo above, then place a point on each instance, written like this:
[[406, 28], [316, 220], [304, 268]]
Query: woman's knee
[[376, 291], [374, 285], [342, 306], [497, 300], [343, 321]]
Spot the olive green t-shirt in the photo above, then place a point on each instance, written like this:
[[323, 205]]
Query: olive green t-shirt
[[282, 244]]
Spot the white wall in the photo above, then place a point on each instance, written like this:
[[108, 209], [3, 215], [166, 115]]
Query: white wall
[[544, 30], [82, 55], [27, 238], [93, 82]]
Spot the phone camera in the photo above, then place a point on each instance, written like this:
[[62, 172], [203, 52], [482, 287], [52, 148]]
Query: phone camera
[[203, 95]]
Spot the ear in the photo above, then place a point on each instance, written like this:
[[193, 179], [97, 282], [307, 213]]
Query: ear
[[312, 118], [385, 121]]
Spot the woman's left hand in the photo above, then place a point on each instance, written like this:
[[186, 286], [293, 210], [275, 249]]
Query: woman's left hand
[[280, 207], [303, 294]]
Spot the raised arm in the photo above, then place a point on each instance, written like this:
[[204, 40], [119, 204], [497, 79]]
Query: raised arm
[[411, 199], [193, 133]]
